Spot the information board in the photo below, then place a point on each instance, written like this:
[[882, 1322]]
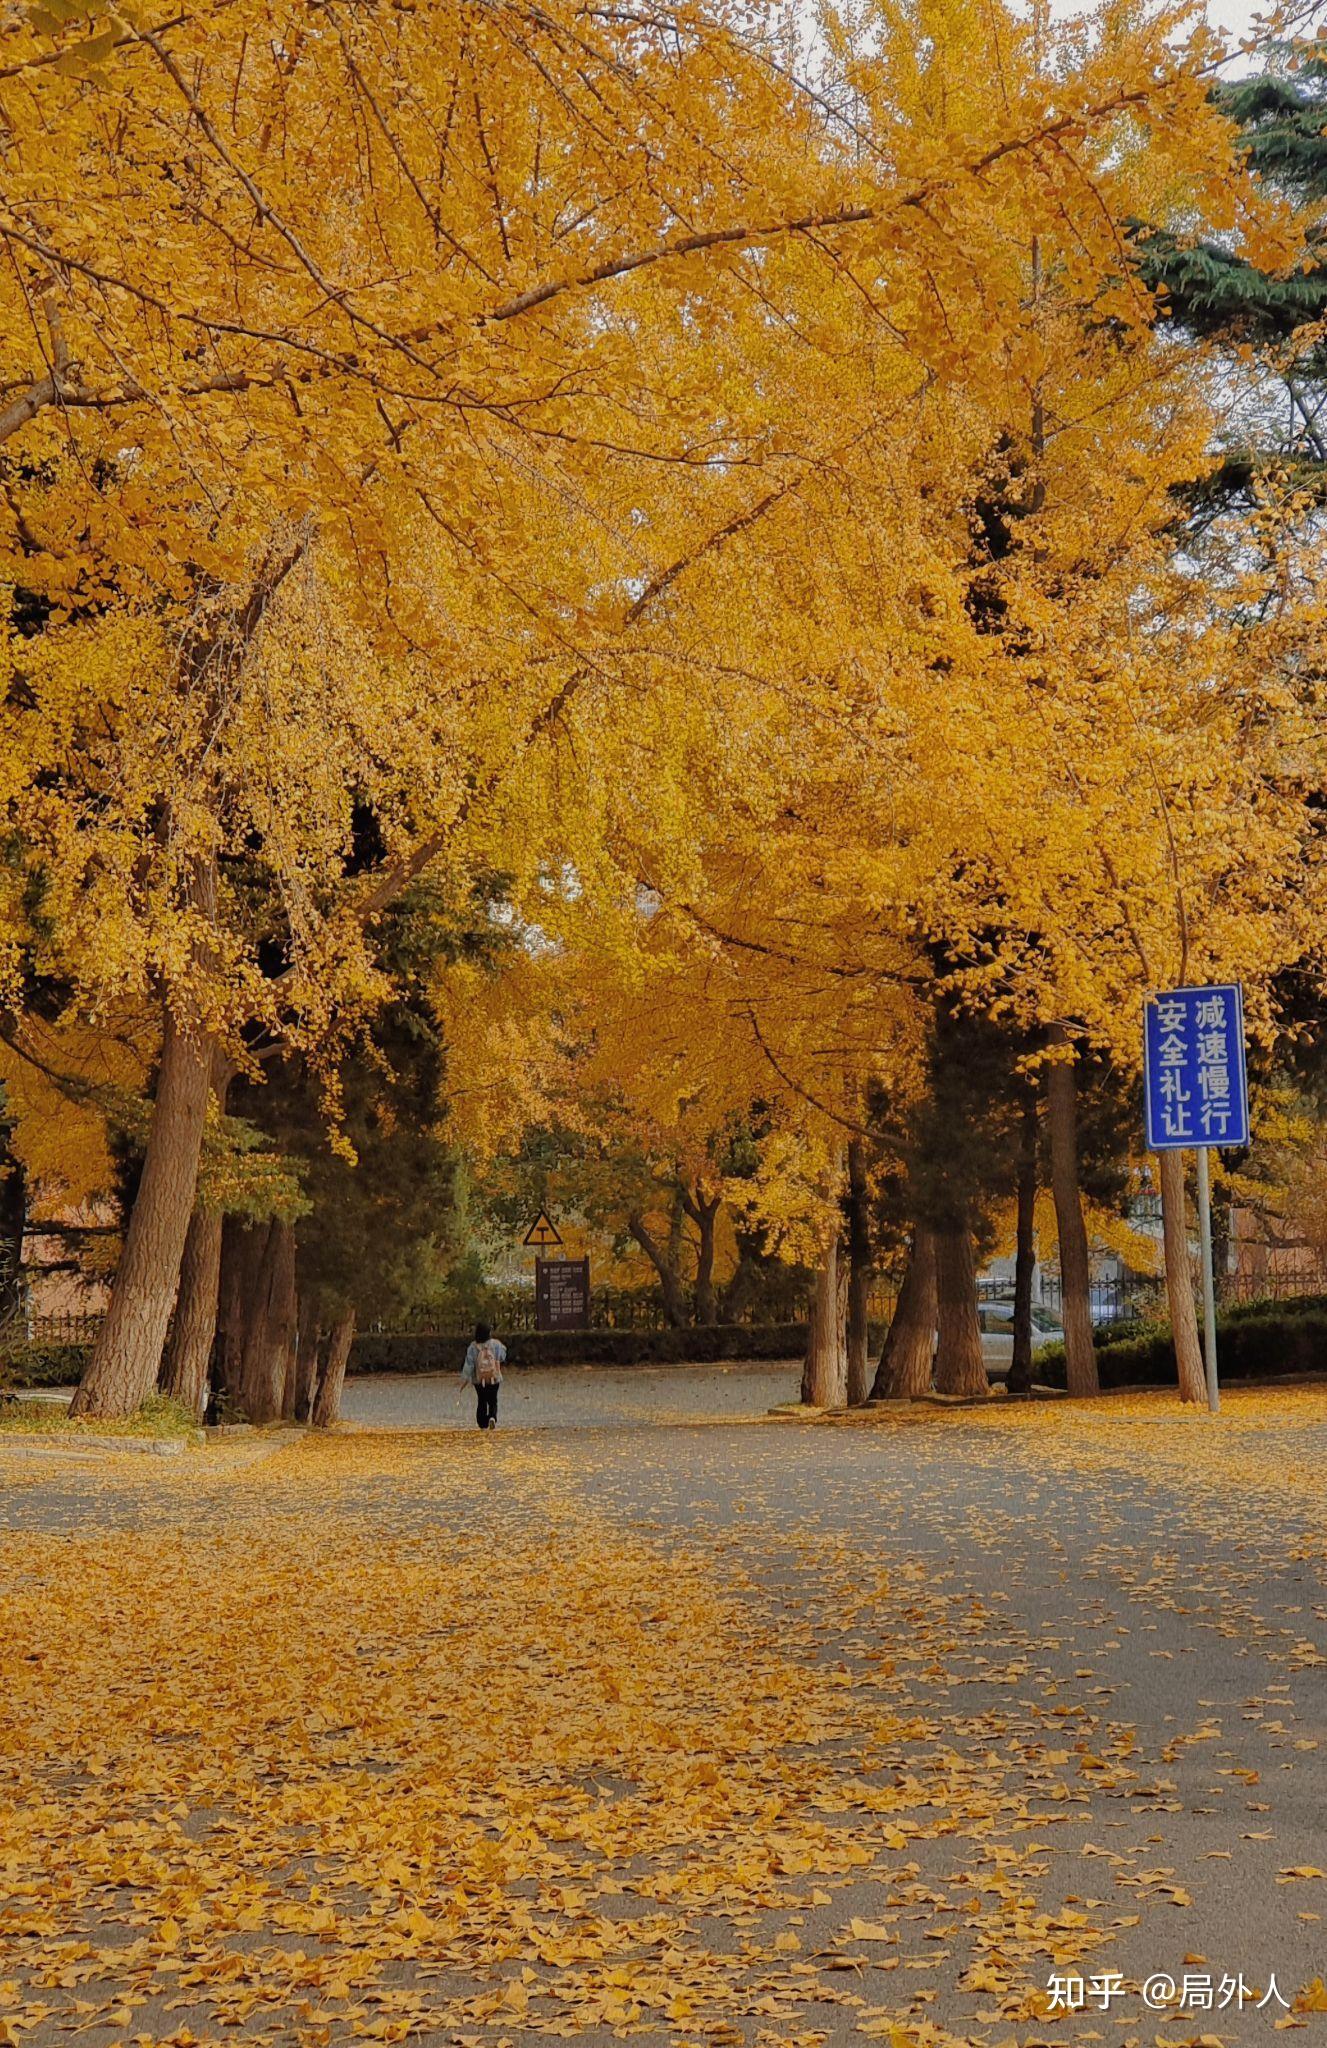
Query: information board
[[562, 1294]]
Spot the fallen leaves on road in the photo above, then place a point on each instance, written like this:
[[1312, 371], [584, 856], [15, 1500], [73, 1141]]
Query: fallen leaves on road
[[395, 1737]]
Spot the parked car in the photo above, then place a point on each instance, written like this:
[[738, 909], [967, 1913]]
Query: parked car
[[997, 1333]]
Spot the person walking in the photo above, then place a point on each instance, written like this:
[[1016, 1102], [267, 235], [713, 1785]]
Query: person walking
[[484, 1361]]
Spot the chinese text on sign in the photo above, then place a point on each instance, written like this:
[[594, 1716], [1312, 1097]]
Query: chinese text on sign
[[1194, 1077]]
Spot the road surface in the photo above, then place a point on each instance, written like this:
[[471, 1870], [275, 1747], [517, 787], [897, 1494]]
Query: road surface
[[752, 1732], [575, 1397]]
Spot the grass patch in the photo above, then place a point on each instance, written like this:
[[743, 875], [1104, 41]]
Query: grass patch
[[158, 1417]]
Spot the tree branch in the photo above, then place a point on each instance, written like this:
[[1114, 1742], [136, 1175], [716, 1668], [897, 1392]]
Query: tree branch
[[834, 1115]]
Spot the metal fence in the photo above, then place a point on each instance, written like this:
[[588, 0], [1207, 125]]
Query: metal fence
[[65, 1329], [1286, 1280], [1112, 1301], [1144, 1299], [512, 1310]]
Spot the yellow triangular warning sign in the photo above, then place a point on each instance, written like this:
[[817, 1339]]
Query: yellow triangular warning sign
[[542, 1231]]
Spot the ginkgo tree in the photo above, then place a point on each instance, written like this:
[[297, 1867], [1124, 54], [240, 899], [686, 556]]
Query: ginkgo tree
[[313, 504], [1058, 759]]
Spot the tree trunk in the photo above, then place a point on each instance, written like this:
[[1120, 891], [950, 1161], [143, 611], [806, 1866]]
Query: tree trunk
[[283, 1323], [327, 1405], [1025, 1252], [670, 1280], [959, 1365], [13, 1224], [126, 1358], [185, 1367], [270, 1328], [825, 1372], [745, 1283], [1179, 1280], [306, 1360], [291, 1384], [906, 1361], [1075, 1274], [249, 1385], [860, 1276], [705, 1213], [1222, 1207], [241, 1254]]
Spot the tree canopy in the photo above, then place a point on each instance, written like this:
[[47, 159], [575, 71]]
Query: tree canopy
[[721, 481]]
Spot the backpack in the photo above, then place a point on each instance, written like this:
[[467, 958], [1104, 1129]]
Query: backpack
[[488, 1366]]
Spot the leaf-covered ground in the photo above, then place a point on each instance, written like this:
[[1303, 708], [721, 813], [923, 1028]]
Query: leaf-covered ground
[[755, 1734]]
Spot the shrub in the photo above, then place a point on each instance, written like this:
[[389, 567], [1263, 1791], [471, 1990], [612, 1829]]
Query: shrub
[[707, 1345], [1255, 1340], [43, 1365]]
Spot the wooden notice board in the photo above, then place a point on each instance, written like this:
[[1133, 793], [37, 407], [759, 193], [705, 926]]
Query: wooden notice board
[[562, 1294]]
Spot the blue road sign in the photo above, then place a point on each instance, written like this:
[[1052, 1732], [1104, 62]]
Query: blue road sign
[[1196, 1089]]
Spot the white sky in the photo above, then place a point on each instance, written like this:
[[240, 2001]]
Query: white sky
[[1236, 18]]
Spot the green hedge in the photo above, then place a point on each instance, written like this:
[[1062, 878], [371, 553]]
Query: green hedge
[[1255, 1340], [61, 1365], [430, 1353], [43, 1365]]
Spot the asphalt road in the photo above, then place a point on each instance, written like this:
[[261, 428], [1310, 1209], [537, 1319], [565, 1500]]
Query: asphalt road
[[1176, 1637], [1081, 1655], [574, 1397]]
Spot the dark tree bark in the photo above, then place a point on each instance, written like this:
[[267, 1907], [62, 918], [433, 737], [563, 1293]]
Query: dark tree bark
[[283, 1322], [1075, 1273], [1179, 1280], [252, 1386], [13, 1224], [307, 1350], [241, 1254], [188, 1357], [187, 1364], [959, 1365], [904, 1371], [327, 1402], [704, 1212], [126, 1358], [747, 1277], [270, 1330], [825, 1371], [860, 1275], [1222, 1212], [291, 1388], [1025, 1254], [671, 1286]]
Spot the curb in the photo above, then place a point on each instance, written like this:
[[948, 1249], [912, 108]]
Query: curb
[[236, 1448], [95, 1447]]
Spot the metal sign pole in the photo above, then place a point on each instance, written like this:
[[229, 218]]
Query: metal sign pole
[[1209, 1281]]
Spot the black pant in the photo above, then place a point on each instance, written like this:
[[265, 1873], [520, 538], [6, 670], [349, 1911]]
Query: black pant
[[486, 1414]]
